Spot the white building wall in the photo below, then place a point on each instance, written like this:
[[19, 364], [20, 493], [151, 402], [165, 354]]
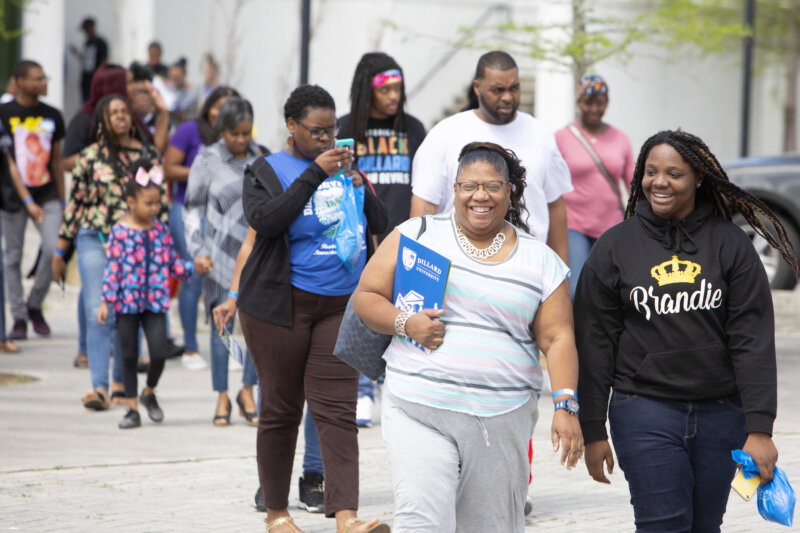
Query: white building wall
[[43, 27], [257, 41], [105, 23]]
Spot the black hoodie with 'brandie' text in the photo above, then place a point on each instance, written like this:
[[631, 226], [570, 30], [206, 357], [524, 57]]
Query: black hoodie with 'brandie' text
[[679, 310]]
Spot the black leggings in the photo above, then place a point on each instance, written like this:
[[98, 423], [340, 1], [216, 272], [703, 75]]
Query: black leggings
[[155, 330]]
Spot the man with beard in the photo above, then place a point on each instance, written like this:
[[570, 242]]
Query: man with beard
[[496, 120]]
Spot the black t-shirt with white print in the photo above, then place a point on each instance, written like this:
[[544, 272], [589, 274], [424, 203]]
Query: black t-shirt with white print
[[33, 130], [386, 158]]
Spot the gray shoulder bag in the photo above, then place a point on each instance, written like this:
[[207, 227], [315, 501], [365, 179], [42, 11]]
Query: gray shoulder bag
[[359, 346]]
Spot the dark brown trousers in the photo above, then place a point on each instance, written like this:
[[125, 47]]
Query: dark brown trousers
[[294, 365]]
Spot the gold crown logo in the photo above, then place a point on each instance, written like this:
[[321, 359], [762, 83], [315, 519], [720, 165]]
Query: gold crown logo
[[674, 271]]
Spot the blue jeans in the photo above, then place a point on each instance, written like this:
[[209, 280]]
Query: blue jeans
[[99, 337], [579, 247], [190, 292], [312, 460], [366, 387], [676, 456], [81, 324], [219, 360]]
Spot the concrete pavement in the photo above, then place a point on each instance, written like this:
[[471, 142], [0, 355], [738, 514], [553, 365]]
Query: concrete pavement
[[66, 469]]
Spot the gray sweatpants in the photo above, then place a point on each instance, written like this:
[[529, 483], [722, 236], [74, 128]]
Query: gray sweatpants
[[454, 472], [14, 232]]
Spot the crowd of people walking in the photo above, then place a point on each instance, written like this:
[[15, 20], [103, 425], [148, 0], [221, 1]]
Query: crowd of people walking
[[651, 307]]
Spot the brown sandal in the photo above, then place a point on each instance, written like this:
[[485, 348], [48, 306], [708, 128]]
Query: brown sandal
[[281, 521], [9, 347], [81, 361], [96, 400]]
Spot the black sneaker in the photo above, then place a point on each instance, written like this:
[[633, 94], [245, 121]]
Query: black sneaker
[[259, 501], [150, 403], [312, 493], [130, 420], [174, 350], [20, 330], [37, 319]]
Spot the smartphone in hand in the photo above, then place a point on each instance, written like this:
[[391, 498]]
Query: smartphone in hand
[[346, 143], [745, 487]]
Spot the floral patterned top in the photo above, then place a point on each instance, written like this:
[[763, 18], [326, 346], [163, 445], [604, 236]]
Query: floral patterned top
[[139, 265], [97, 199]]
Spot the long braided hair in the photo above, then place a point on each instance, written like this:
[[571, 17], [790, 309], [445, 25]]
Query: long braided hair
[[106, 137], [716, 187], [506, 163], [372, 63]]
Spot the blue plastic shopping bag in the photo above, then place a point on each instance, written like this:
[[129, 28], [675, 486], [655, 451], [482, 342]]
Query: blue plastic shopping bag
[[350, 231], [776, 499]]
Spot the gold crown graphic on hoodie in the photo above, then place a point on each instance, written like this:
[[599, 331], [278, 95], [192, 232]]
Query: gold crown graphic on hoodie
[[675, 271]]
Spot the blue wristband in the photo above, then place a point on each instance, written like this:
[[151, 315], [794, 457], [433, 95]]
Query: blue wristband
[[58, 252], [565, 392], [63, 205], [28, 200], [191, 268], [233, 294]]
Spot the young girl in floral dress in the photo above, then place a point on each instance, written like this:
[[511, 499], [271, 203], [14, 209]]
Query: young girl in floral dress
[[141, 259]]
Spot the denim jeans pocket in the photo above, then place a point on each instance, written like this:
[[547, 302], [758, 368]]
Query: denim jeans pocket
[[622, 398]]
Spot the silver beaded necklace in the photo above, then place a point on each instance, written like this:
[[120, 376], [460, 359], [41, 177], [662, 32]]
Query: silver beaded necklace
[[483, 253]]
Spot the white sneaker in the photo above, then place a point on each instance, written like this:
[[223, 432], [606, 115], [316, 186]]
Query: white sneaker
[[194, 362], [364, 412]]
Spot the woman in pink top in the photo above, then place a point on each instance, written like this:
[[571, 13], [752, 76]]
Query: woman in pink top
[[593, 206]]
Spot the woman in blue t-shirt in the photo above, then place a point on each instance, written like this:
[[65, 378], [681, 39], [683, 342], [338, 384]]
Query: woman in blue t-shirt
[[294, 289]]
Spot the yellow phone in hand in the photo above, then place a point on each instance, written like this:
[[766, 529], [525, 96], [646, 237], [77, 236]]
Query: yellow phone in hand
[[745, 487]]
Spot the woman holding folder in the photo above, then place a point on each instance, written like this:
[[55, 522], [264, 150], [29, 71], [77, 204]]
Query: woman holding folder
[[457, 419]]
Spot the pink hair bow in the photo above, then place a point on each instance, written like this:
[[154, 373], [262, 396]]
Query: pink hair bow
[[144, 177]]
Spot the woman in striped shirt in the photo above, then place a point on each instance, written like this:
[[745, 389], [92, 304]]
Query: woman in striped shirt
[[457, 419], [214, 194]]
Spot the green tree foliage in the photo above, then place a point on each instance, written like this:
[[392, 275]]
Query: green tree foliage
[[600, 31], [9, 29]]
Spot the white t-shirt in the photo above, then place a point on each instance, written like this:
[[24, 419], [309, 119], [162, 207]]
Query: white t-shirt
[[547, 177]]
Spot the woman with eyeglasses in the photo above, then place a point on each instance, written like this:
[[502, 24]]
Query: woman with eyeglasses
[[292, 289], [457, 418]]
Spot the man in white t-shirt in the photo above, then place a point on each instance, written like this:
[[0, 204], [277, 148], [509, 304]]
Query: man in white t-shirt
[[497, 120]]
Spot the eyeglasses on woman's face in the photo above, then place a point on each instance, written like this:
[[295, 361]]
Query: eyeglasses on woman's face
[[491, 187], [317, 133]]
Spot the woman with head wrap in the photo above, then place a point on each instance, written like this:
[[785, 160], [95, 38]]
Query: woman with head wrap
[[600, 161]]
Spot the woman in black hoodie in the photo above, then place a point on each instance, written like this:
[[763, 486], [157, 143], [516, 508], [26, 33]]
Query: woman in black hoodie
[[673, 310]]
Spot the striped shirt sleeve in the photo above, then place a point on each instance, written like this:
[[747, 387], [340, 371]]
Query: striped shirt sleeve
[[194, 206]]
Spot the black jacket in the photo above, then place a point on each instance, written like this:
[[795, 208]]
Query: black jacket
[[677, 310], [265, 289]]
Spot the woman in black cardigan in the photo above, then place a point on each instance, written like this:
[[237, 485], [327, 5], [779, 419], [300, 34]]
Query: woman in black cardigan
[[293, 292]]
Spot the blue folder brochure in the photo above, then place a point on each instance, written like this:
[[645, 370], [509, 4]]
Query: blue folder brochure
[[420, 278]]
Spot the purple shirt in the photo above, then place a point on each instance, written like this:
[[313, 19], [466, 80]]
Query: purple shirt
[[187, 140]]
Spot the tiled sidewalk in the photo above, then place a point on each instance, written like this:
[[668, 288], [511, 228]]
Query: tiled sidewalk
[[65, 469]]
